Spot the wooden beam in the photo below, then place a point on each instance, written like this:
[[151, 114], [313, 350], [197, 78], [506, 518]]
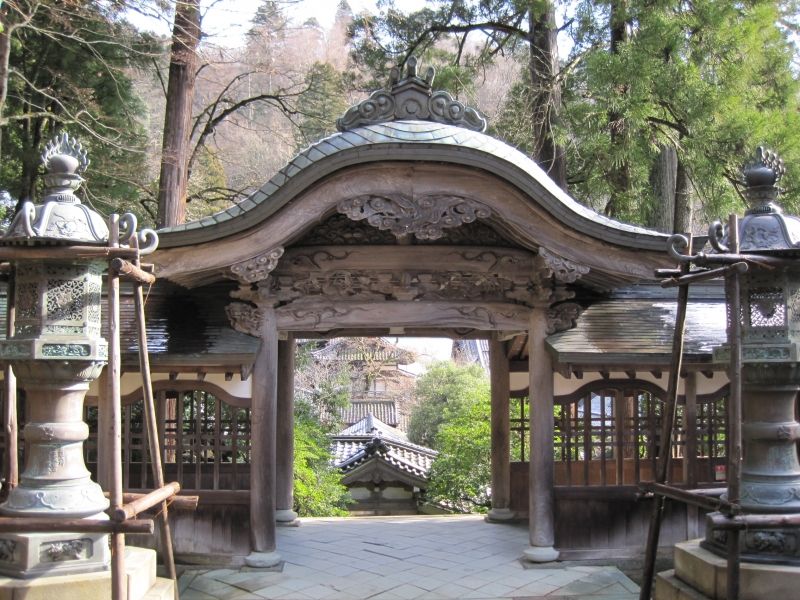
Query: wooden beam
[[50, 524], [500, 429], [466, 259], [65, 252], [148, 501], [333, 314], [631, 373]]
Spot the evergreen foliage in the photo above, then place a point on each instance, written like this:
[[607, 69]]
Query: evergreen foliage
[[704, 82], [70, 70], [444, 386], [453, 417], [322, 102], [711, 79], [321, 390]]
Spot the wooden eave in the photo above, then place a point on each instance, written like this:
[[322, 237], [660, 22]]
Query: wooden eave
[[412, 158]]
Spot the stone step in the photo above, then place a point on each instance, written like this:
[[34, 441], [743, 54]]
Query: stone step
[[162, 589], [140, 568], [669, 587]]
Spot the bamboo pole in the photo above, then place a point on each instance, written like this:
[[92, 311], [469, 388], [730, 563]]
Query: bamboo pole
[[697, 277], [11, 427], [734, 413], [667, 425], [48, 524], [130, 271], [686, 496], [152, 425], [739, 522], [119, 589], [175, 503], [145, 502], [65, 252]]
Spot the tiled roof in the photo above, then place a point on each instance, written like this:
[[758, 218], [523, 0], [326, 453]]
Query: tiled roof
[[184, 326], [370, 426], [370, 439], [472, 351], [385, 410], [636, 330], [422, 141]]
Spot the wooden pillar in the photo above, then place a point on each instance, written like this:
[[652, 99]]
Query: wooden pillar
[[262, 446], [501, 445], [285, 514], [690, 427], [540, 505]]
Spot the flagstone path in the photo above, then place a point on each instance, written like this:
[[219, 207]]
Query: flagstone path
[[405, 558]]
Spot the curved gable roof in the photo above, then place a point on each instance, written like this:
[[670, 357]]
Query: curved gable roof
[[418, 141]]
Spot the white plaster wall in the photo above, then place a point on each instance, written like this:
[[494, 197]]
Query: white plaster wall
[[132, 381], [567, 385], [397, 493]]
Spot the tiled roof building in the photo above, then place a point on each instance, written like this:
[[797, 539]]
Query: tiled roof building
[[386, 474]]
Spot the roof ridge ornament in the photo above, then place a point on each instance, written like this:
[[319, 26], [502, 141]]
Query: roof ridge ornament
[[411, 98]]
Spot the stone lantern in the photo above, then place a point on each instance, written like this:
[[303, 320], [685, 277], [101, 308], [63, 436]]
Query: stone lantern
[[56, 350], [770, 335]]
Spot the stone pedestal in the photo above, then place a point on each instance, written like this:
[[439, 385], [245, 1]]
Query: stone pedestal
[[55, 481], [140, 570], [702, 575]]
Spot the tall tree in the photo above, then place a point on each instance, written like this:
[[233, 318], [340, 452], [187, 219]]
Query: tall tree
[[69, 67], [444, 387], [173, 181], [321, 103], [704, 82], [524, 27]]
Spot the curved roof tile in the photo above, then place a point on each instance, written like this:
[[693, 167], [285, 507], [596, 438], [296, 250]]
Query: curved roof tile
[[409, 141]]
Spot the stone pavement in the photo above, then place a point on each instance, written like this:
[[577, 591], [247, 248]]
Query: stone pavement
[[401, 558]]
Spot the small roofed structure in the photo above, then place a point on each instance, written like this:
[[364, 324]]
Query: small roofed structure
[[385, 473]]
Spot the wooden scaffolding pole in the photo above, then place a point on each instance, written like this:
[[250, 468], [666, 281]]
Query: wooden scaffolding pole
[[152, 426], [119, 589], [665, 445], [734, 473]]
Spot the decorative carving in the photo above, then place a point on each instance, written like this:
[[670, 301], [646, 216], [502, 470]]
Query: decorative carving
[[67, 350], [778, 542], [314, 260], [66, 550], [762, 236], [769, 495], [339, 230], [766, 307], [7, 550], [403, 285], [425, 217], [411, 98], [563, 270], [316, 315], [562, 317], [257, 268], [468, 233], [64, 146], [766, 353], [245, 318]]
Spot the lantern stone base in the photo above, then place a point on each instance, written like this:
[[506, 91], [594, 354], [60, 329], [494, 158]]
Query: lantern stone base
[[28, 555], [701, 575], [140, 568]]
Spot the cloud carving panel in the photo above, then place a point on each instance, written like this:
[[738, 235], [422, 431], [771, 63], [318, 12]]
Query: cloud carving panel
[[425, 217]]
